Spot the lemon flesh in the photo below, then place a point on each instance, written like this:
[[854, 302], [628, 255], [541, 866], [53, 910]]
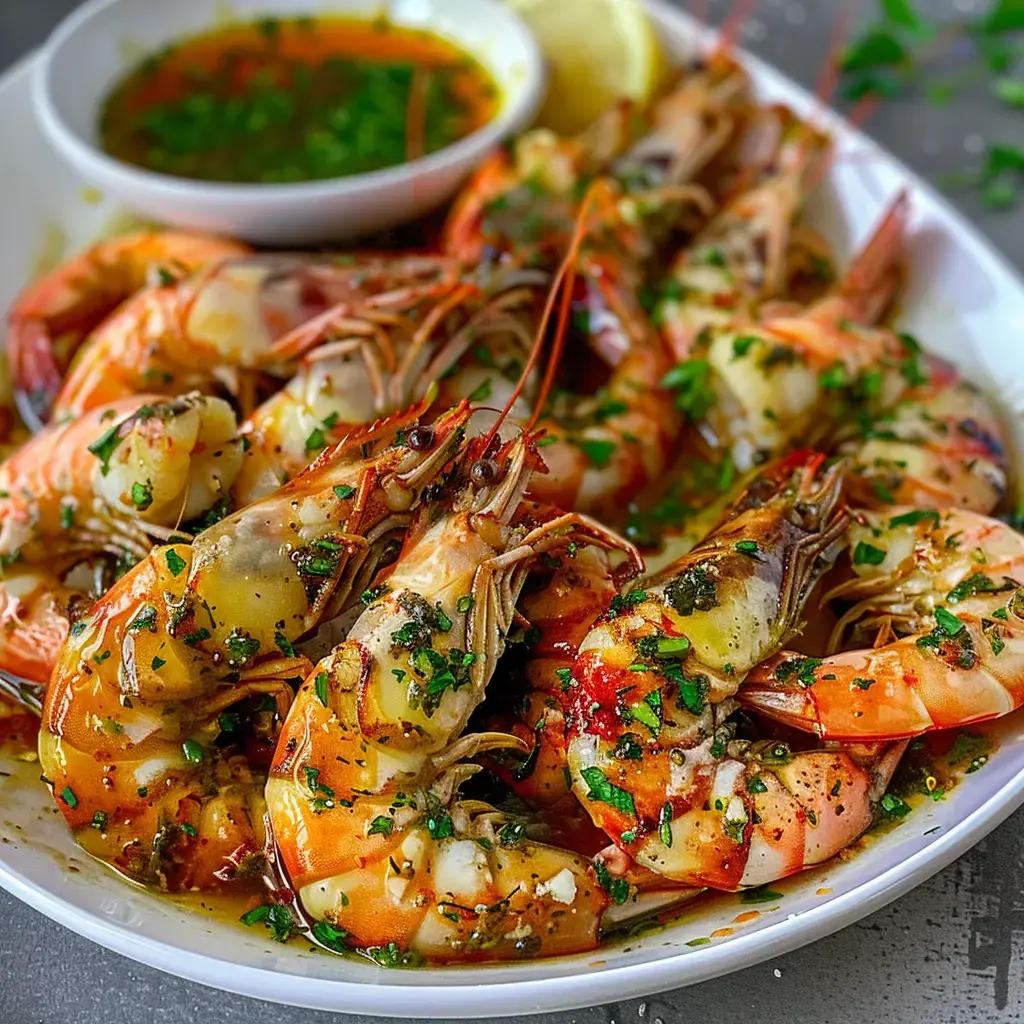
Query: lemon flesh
[[598, 52]]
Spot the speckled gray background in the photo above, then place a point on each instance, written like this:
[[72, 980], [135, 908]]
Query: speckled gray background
[[948, 952]]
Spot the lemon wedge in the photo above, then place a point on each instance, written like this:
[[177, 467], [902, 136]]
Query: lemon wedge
[[598, 51]]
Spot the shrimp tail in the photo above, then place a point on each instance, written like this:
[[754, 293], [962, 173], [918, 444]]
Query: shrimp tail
[[877, 272], [32, 361]]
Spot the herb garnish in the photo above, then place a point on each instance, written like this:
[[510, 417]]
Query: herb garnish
[[602, 790]]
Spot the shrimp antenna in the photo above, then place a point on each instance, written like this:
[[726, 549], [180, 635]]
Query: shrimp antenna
[[556, 350], [828, 77], [738, 17], [604, 193], [567, 270], [863, 109]]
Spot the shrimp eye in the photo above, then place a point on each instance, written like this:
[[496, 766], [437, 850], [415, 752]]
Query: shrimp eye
[[484, 472], [421, 439]]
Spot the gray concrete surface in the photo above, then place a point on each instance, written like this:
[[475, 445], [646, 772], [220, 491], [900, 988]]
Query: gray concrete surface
[[948, 953]]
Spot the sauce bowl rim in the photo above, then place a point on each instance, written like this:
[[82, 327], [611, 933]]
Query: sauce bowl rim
[[518, 104]]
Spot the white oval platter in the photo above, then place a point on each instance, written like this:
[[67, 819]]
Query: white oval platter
[[963, 301]]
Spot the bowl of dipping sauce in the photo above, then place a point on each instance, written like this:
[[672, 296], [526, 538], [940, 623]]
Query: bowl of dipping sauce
[[293, 122]]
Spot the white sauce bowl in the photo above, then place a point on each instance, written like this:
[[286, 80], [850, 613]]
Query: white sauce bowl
[[92, 50]]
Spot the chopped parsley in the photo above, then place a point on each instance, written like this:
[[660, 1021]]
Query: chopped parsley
[[648, 712], [175, 562], [328, 935], [620, 604], [314, 783], [691, 382], [692, 590], [511, 834], [142, 495], [741, 345], [996, 642], [104, 446], [665, 824], [609, 409], [438, 820], [977, 583], [834, 378], [276, 917], [392, 955], [382, 825], [214, 514], [284, 645], [802, 668], [948, 622], [663, 647], [970, 749], [602, 790], [693, 692], [598, 453], [193, 751], [628, 748], [442, 673], [867, 554], [920, 515], [617, 888], [146, 619], [320, 687], [760, 894], [241, 646], [893, 806]]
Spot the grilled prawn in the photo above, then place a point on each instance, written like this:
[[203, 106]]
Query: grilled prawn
[[166, 700], [363, 792]]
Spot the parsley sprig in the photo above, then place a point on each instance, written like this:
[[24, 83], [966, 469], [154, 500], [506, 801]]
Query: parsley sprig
[[893, 55]]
